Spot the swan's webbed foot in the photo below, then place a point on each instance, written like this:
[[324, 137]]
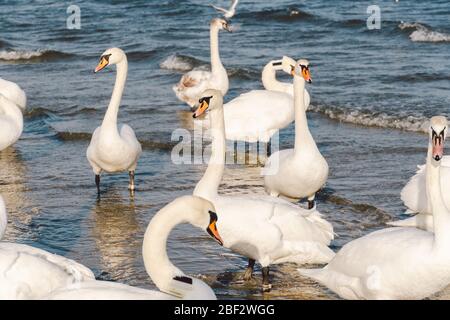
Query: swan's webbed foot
[[97, 183], [267, 286], [269, 149], [249, 271], [131, 186], [311, 204]]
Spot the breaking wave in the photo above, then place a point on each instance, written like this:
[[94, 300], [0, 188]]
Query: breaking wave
[[424, 33]]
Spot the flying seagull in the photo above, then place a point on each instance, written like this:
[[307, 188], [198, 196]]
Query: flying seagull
[[230, 12]]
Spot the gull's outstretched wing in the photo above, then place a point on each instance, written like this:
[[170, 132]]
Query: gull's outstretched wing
[[219, 9]]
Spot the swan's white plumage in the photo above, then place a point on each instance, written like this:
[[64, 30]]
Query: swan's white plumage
[[109, 149], [31, 273], [263, 228], [13, 93], [193, 83], [163, 273], [396, 263], [302, 171], [257, 115], [11, 122]]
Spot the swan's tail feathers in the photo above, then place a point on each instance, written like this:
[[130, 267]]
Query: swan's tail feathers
[[414, 194], [325, 226], [422, 221]]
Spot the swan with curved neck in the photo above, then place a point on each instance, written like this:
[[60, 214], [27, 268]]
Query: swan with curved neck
[[193, 83], [31, 273], [271, 83], [258, 114], [11, 122], [171, 281], [398, 263], [302, 171], [111, 150], [261, 228], [13, 93]]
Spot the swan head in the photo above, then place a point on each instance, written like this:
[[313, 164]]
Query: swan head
[[110, 57], [220, 24], [3, 218], [285, 64], [202, 214], [210, 100], [438, 134], [301, 69]]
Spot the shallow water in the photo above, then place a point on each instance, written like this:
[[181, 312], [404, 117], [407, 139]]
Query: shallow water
[[372, 93]]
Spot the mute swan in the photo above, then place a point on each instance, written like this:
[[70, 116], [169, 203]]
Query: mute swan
[[262, 228], [13, 93], [11, 122], [172, 282], [271, 83], [302, 171], [31, 273], [230, 12], [397, 263], [110, 150], [193, 83]]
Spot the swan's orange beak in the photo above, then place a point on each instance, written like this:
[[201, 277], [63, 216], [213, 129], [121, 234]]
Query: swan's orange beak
[[212, 228], [102, 64], [306, 74], [204, 105]]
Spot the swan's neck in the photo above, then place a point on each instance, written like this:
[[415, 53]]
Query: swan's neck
[[154, 249], [208, 186], [216, 63], [270, 81], [110, 120], [303, 138], [441, 216], [3, 218]]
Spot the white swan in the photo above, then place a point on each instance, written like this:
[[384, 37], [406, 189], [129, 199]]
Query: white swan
[[271, 83], [230, 12], [13, 93], [111, 150], [415, 197], [397, 263], [302, 171], [193, 83], [262, 228], [31, 273], [11, 122], [171, 281]]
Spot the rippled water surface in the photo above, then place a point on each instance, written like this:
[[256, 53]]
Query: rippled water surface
[[371, 96]]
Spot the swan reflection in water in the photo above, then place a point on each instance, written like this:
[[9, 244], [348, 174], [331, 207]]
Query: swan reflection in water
[[117, 235], [12, 188]]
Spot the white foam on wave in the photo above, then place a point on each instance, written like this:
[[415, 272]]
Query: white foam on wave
[[12, 55], [424, 34], [177, 63], [370, 119]]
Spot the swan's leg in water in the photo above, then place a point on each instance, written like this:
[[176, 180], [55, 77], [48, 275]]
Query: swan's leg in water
[[311, 201], [235, 149], [249, 272], [266, 283], [97, 182], [131, 186]]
